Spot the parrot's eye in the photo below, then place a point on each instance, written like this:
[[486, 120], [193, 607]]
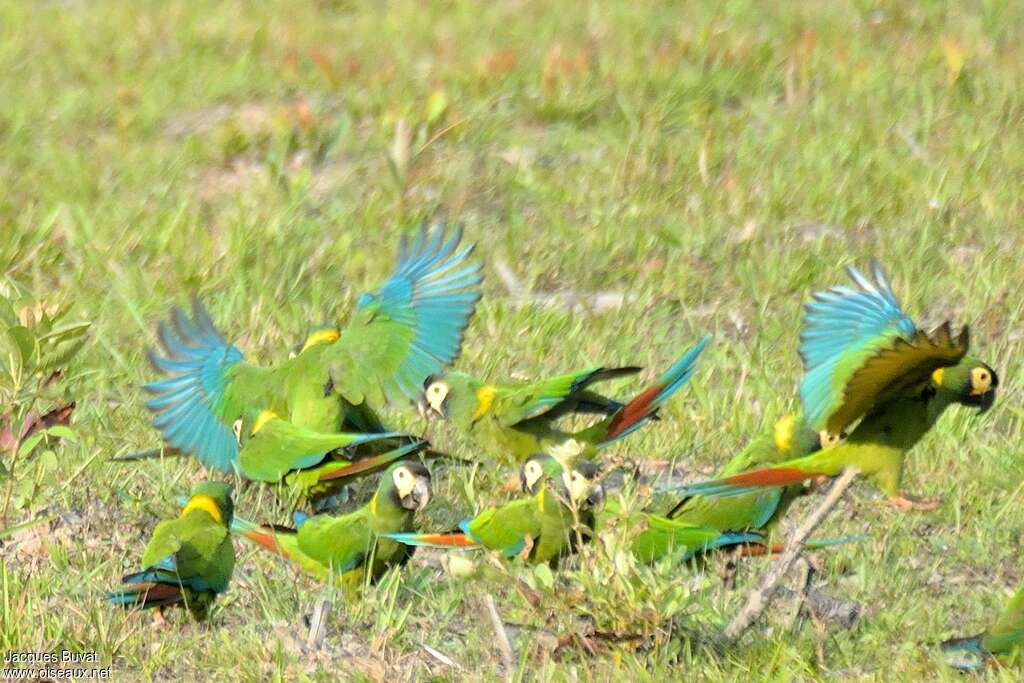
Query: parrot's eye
[[981, 380], [828, 438], [236, 428]]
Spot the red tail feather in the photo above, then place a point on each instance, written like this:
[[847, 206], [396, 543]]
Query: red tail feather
[[758, 549], [633, 412], [265, 538], [458, 540], [769, 476], [158, 594]]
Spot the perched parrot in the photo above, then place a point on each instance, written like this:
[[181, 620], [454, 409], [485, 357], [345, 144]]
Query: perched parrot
[[791, 437], [515, 421], [1001, 644], [400, 334], [539, 528], [189, 560], [351, 548], [865, 360]]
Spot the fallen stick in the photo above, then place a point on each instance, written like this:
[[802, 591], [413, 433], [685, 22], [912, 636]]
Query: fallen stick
[[761, 597], [317, 624], [504, 646]]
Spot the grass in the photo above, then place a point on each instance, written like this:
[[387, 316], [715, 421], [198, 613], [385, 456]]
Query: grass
[[712, 163]]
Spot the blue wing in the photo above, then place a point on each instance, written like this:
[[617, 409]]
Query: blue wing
[[430, 296], [188, 405], [842, 328]]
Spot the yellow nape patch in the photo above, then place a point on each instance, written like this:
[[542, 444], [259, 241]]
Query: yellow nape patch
[[203, 503], [484, 399], [937, 376], [262, 419], [321, 337], [784, 433]]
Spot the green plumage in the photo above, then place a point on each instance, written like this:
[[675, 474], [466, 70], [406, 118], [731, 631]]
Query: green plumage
[[790, 437], [1002, 643], [351, 548], [188, 560], [514, 421]]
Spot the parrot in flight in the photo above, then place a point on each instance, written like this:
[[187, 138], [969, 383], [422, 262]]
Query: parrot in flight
[[1001, 644], [189, 560], [352, 548], [515, 421], [870, 370], [790, 437], [398, 335], [541, 527]]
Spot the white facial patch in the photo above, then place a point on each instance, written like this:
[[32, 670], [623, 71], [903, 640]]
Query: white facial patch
[[404, 481], [436, 394]]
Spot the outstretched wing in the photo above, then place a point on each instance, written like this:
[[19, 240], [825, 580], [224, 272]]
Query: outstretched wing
[[859, 348], [519, 403], [412, 327], [195, 406]]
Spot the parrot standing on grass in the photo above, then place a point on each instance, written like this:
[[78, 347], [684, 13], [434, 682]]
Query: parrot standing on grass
[[189, 560], [515, 421], [790, 437], [1001, 644], [355, 547], [865, 360], [399, 334], [540, 528]]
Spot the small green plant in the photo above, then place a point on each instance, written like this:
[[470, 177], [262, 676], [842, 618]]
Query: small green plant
[[36, 346]]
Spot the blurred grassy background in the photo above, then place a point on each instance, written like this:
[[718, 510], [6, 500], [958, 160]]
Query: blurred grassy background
[[710, 164]]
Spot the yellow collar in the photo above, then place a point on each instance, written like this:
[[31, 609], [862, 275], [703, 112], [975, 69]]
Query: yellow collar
[[262, 419], [204, 503], [484, 399], [784, 429], [320, 337]]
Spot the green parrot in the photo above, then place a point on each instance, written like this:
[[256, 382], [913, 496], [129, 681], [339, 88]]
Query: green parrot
[[399, 334], [1001, 644], [790, 437], [865, 360], [657, 537], [542, 527], [277, 450], [352, 548], [515, 421], [189, 560]]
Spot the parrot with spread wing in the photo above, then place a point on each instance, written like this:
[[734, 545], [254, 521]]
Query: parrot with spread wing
[[1001, 644], [189, 560], [539, 528], [790, 437], [399, 334], [351, 548], [515, 421], [867, 364]]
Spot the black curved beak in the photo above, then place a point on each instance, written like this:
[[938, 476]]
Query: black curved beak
[[596, 497], [986, 400], [418, 498]]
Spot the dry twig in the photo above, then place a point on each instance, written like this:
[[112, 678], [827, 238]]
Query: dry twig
[[760, 598]]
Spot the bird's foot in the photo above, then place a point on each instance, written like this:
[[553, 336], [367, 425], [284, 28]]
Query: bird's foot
[[524, 554], [905, 503], [159, 622]]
